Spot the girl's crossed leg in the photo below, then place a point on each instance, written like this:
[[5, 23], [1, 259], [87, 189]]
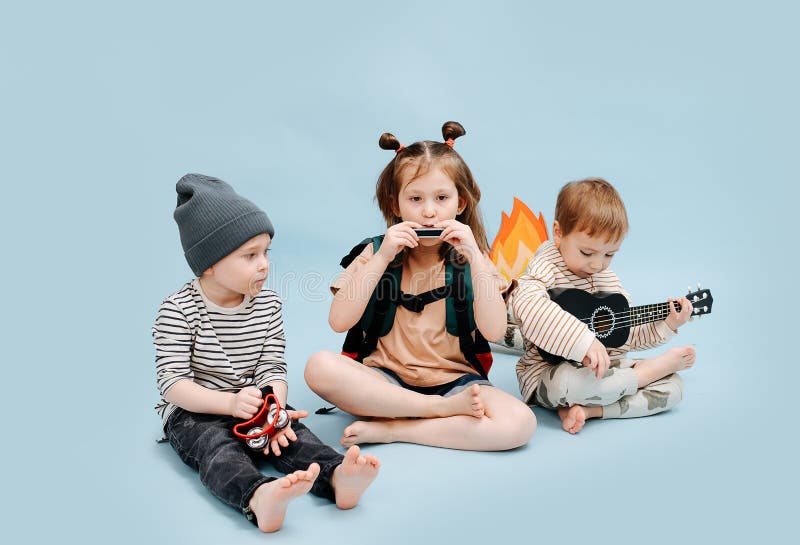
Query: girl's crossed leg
[[477, 418]]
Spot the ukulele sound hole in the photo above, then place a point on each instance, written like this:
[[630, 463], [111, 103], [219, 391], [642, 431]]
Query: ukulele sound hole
[[602, 322]]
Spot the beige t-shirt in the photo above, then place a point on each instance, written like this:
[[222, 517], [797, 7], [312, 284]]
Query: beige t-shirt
[[418, 348]]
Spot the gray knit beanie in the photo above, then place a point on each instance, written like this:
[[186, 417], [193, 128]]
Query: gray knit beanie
[[213, 220]]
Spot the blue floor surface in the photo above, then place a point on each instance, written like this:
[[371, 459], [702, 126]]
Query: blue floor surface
[[689, 108]]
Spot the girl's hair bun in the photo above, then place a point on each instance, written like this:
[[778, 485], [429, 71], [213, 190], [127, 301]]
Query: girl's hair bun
[[452, 130], [389, 141]]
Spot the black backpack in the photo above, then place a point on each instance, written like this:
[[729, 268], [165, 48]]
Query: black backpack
[[378, 318]]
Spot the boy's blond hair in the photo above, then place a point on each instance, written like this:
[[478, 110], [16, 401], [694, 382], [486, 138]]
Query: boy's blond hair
[[591, 206]]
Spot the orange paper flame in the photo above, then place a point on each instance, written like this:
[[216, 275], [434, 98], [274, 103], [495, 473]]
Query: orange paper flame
[[516, 242]]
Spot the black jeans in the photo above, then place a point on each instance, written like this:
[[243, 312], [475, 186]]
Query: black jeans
[[227, 466]]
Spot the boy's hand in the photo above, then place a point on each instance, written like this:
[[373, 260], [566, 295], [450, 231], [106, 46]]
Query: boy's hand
[[460, 236], [282, 438], [245, 403], [677, 319], [597, 359], [397, 237]]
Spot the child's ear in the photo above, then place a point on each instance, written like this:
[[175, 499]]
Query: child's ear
[[556, 233], [462, 205]]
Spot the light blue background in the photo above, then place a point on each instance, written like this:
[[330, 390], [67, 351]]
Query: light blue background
[[689, 108]]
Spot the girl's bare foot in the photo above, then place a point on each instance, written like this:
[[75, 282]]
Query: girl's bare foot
[[270, 500], [366, 432], [466, 402], [353, 476]]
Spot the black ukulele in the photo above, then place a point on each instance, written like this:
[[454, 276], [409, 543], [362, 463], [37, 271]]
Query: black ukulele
[[610, 318]]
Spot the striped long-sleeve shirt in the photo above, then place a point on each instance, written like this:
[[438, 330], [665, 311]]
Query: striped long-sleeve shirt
[[545, 324], [220, 348]]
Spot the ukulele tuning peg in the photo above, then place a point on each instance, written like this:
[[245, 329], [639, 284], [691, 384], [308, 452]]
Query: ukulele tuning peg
[[705, 309], [695, 299], [705, 295], [689, 289], [698, 286]]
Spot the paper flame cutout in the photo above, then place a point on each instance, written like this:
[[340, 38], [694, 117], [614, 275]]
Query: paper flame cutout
[[516, 242]]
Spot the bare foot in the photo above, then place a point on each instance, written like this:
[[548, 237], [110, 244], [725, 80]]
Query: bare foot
[[466, 402], [270, 500], [366, 432], [684, 355], [353, 476], [572, 418], [673, 360]]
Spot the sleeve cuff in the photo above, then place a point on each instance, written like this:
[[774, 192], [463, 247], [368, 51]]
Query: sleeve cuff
[[664, 330], [266, 382], [582, 346]]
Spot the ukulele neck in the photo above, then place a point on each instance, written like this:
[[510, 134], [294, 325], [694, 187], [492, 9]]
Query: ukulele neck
[[646, 314]]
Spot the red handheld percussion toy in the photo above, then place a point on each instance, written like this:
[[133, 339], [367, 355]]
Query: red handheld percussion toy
[[269, 420]]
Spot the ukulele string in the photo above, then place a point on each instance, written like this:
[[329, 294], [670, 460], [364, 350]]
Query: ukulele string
[[616, 315], [631, 314], [635, 320]]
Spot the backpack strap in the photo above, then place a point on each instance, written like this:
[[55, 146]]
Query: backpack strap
[[416, 303], [381, 313], [378, 317], [355, 335], [355, 252], [388, 288], [464, 292], [461, 307]]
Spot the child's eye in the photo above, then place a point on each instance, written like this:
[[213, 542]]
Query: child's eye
[[443, 197], [587, 254], [250, 256], [415, 199]]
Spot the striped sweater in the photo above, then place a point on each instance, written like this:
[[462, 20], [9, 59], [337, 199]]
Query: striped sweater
[[220, 348], [543, 323]]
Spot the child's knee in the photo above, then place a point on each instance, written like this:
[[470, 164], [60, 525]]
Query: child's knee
[[517, 425], [526, 422], [663, 394], [675, 389], [317, 368], [214, 449], [555, 386]]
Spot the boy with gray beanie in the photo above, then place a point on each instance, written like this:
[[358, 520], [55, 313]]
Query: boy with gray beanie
[[219, 358]]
